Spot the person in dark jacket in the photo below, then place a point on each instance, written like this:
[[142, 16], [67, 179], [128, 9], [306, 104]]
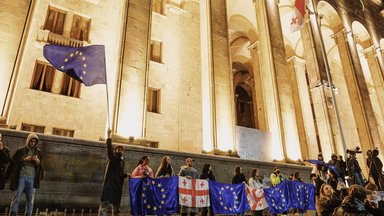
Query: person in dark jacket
[[113, 178], [353, 204], [327, 201], [371, 203], [238, 176], [25, 172], [338, 165], [317, 182], [375, 168], [354, 169], [5, 157], [206, 173]]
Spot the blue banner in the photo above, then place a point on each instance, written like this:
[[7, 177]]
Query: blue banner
[[228, 198], [154, 196], [290, 194]]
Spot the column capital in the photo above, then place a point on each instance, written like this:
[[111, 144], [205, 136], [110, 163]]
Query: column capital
[[369, 49], [296, 58], [345, 33], [254, 45]]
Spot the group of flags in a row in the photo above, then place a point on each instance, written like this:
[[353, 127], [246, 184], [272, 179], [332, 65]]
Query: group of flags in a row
[[156, 196]]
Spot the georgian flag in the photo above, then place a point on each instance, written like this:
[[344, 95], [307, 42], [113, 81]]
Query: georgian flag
[[193, 192], [297, 21], [256, 198]]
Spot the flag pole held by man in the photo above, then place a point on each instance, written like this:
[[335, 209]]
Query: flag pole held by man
[[85, 64]]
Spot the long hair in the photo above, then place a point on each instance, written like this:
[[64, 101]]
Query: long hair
[[206, 169], [253, 173], [322, 194], [142, 159], [164, 168], [236, 171]]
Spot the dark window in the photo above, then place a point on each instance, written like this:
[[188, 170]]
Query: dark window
[[32, 128], [43, 77], [54, 22], [70, 87], [63, 132], [153, 100]]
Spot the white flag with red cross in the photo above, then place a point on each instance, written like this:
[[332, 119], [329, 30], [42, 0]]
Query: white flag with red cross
[[256, 198], [299, 10], [193, 192]]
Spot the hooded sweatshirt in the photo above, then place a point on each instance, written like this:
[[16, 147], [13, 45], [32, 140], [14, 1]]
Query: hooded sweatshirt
[[28, 168]]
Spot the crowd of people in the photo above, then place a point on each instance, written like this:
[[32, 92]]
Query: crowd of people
[[333, 196]]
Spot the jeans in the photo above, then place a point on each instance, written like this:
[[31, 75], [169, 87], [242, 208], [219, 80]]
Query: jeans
[[358, 178], [104, 207], [26, 185]]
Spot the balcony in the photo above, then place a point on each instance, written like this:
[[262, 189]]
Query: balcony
[[52, 38]]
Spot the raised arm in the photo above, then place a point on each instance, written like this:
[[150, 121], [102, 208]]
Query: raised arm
[[109, 145]]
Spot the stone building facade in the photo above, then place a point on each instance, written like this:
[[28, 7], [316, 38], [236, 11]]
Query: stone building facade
[[208, 75]]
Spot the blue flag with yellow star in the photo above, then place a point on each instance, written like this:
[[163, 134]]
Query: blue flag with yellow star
[[278, 198], [302, 195], [85, 64], [228, 198], [158, 196]]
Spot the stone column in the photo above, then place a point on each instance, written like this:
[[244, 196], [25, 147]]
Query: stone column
[[280, 114], [377, 90], [258, 100], [320, 94], [15, 19], [360, 99], [129, 110], [221, 74], [303, 110]]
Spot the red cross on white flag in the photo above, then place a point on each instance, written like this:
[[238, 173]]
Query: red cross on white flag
[[193, 192], [256, 198], [297, 21]]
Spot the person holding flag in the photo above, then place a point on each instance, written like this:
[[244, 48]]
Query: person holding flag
[[113, 178]]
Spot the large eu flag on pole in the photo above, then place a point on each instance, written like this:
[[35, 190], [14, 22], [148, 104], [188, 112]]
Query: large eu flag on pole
[[228, 198], [157, 196], [85, 64]]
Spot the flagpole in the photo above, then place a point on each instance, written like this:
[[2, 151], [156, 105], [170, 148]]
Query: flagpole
[[106, 88], [327, 70]]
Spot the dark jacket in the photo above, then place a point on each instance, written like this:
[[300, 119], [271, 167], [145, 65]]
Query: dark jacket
[[351, 207], [208, 175], [239, 178], [14, 167], [114, 177], [318, 183], [325, 207], [5, 157], [374, 209]]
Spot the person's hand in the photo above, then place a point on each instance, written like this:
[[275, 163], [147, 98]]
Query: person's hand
[[188, 177], [34, 158], [28, 158], [109, 131], [1, 145]]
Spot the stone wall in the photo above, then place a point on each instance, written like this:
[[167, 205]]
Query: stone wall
[[74, 169]]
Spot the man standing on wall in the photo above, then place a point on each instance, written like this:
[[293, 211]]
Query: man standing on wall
[[4, 159], [113, 178], [25, 172]]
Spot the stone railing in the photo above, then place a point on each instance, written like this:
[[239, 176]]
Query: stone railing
[[52, 38]]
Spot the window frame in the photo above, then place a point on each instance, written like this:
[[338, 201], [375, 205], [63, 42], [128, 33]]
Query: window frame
[[150, 104]]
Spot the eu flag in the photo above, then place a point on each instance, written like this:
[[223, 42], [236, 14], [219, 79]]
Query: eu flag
[[228, 198], [302, 195], [85, 64], [278, 198], [154, 196]]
